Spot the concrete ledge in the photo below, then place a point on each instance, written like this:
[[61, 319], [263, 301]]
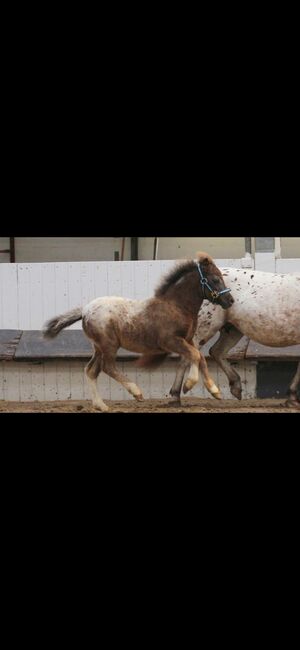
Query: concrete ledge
[[263, 352], [27, 345], [9, 340]]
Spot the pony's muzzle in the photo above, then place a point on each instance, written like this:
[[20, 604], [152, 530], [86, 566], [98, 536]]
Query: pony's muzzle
[[226, 301]]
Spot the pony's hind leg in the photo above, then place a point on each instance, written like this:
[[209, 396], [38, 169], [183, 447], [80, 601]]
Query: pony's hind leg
[[293, 400], [92, 371], [109, 367], [177, 384]]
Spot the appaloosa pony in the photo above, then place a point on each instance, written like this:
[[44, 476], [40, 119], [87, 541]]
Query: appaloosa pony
[[266, 309], [155, 327]]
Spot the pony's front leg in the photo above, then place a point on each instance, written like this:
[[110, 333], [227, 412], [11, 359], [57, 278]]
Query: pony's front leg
[[293, 401], [208, 381], [110, 369], [196, 360]]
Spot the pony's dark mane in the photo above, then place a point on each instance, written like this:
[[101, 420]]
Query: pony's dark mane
[[173, 276]]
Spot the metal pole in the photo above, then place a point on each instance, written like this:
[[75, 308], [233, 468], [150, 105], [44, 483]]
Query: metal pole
[[248, 245], [12, 249], [134, 248], [156, 240], [122, 249]]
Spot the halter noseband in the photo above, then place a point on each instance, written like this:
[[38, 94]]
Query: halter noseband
[[204, 283]]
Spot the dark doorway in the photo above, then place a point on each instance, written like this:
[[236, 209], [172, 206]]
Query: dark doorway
[[273, 379]]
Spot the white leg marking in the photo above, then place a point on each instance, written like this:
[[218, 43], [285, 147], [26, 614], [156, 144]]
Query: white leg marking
[[96, 399], [213, 389], [134, 390], [193, 377]]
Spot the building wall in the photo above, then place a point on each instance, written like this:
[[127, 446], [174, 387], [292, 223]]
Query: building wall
[[85, 249], [66, 249], [89, 249], [290, 247], [171, 248], [4, 244]]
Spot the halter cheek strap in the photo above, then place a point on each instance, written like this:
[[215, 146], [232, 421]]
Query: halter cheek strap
[[205, 284]]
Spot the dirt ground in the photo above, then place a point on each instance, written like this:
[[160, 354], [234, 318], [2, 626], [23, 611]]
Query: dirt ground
[[188, 405]]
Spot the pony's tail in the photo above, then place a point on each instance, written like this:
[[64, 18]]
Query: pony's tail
[[151, 360], [55, 325]]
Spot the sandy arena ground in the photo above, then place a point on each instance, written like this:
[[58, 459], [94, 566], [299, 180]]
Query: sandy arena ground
[[188, 405]]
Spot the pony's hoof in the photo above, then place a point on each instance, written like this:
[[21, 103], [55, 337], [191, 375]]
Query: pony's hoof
[[174, 400], [217, 395], [101, 407], [294, 404], [214, 390], [236, 391], [188, 386], [139, 398]]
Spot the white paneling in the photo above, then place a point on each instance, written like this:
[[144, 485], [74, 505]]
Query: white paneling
[[288, 266], [76, 379], [141, 290], [38, 382], [30, 294], [8, 296], [101, 279], [265, 262], [75, 289], [25, 381], [48, 292], [11, 374], [156, 384], [64, 380], [87, 283], [114, 279], [51, 393], [36, 296], [74, 285], [235, 263], [127, 280], [24, 304], [61, 289]]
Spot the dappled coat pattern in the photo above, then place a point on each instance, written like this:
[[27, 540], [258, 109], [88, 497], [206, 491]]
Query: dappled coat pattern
[[266, 309]]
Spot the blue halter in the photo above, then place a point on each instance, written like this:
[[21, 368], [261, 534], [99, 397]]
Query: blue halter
[[204, 283]]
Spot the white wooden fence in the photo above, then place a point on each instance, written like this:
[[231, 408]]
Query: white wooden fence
[[32, 293]]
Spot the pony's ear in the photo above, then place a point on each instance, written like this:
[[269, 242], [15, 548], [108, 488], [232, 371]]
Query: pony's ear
[[204, 258]]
